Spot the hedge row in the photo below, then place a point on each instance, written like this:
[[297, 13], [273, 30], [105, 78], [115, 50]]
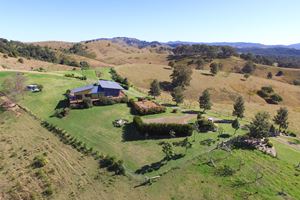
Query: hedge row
[[103, 100], [74, 76], [162, 129], [116, 77]]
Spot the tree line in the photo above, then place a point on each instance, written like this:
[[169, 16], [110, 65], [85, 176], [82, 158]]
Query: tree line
[[205, 51], [15, 49]]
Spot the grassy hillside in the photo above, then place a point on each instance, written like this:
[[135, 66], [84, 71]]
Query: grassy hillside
[[110, 53], [13, 63], [69, 174], [78, 177], [232, 63]]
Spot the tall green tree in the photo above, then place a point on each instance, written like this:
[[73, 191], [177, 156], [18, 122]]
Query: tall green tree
[[181, 76], [235, 125], [155, 88], [239, 107], [177, 95], [281, 119], [214, 68], [260, 125], [204, 101]]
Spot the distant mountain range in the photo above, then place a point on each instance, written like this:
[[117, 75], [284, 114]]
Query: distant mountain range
[[239, 45]]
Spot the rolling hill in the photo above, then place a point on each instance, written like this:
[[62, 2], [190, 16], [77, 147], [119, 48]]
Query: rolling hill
[[203, 171]]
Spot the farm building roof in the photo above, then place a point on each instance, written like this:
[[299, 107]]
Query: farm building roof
[[80, 89], [95, 88], [110, 85]]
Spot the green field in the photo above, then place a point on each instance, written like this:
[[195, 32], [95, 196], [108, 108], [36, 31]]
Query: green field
[[189, 177]]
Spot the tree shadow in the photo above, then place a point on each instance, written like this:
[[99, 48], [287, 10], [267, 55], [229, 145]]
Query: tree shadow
[[62, 104], [157, 165], [166, 86], [192, 112], [168, 68], [169, 105], [207, 74]]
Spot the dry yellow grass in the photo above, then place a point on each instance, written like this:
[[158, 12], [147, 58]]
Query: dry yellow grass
[[72, 175], [12, 63], [224, 87], [261, 70], [54, 44], [112, 53], [120, 53]]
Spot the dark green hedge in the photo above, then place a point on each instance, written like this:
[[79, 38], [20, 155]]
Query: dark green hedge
[[162, 129]]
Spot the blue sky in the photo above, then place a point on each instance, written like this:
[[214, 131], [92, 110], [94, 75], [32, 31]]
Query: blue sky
[[263, 21]]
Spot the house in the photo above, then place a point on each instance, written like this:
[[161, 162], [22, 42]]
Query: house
[[105, 88]]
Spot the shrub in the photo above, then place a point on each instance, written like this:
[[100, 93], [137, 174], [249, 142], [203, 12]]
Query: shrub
[[20, 60], [207, 142], [269, 144], [279, 73], [175, 110], [162, 129], [296, 82], [205, 125], [39, 161], [292, 134], [249, 68], [113, 165], [268, 94], [275, 98], [77, 77], [61, 112], [87, 102], [267, 89], [225, 170], [103, 100]]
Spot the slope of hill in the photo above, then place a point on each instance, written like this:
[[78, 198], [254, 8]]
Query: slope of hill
[[7, 63], [56, 45], [118, 52], [225, 87], [67, 173], [74, 176]]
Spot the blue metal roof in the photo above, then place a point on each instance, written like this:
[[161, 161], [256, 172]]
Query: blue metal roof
[[94, 89], [110, 85], [80, 89]]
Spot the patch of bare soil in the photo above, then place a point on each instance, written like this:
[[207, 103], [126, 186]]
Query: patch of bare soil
[[176, 119]]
